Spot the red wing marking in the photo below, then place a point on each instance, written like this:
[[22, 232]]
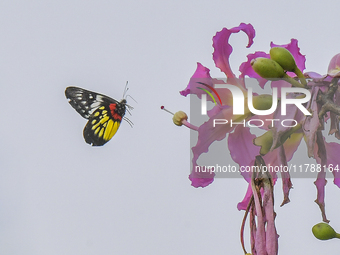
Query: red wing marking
[[115, 115]]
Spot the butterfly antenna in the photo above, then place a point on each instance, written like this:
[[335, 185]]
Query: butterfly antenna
[[132, 98], [125, 89], [125, 96]]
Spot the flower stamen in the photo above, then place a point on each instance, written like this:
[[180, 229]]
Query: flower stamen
[[180, 118]]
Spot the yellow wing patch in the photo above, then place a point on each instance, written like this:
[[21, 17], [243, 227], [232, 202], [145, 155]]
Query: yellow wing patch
[[101, 127], [101, 132], [107, 130], [111, 129], [101, 122]]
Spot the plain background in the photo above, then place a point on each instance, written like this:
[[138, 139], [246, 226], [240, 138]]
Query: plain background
[[59, 195]]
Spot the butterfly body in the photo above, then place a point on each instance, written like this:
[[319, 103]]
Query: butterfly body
[[104, 114]]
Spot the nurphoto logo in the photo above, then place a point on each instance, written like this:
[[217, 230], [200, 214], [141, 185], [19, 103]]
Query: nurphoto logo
[[239, 104]]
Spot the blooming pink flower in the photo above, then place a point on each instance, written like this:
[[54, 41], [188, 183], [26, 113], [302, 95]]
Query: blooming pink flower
[[278, 144], [207, 134]]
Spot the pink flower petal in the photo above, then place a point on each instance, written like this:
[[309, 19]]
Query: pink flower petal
[[222, 48], [241, 147], [320, 155], [286, 182], [268, 206], [207, 133], [202, 74], [244, 203], [333, 158], [314, 75], [200, 179], [334, 66]]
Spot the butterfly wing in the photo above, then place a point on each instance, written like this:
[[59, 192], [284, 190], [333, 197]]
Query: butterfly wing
[[102, 125], [85, 102]]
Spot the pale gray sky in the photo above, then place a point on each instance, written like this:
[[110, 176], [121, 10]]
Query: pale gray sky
[[59, 195]]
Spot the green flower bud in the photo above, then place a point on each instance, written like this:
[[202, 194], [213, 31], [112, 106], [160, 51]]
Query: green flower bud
[[286, 60], [267, 68], [266, 140], [323, 231], [262, 102], [271, 70]]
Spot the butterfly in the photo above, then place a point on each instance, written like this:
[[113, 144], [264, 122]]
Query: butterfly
[[104, 114]]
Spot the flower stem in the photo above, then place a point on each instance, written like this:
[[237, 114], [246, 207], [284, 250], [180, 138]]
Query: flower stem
[[244, 222], [294, 83]]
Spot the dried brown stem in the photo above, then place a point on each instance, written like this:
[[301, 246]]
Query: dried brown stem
[[326, 99]]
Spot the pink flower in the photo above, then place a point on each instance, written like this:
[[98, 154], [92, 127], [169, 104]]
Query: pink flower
[[334, 66], [278, 144], [207, 134]]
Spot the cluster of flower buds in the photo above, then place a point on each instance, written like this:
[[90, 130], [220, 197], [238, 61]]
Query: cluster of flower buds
[[275, 67]]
